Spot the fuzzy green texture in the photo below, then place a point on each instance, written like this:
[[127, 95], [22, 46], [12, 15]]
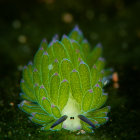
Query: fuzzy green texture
[[65, 73]]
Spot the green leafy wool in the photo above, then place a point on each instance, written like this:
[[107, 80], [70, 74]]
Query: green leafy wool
[[63, 87]]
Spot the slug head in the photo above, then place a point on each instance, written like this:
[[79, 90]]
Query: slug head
[[72, 123], [71, 117]]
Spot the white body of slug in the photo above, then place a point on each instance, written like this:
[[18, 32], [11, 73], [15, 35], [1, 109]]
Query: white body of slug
[[71, 109]]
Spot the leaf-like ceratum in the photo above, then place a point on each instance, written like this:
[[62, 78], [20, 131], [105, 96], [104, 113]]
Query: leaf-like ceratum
[[28, 107], [65, 67], [85, 78], [43, 100], [29, 93], [47, 127], [38, 59], [45, 70], [76, 86], [86, 127], [36, 91], [50, 52], [44, 44], [42, 93], [87, 100], [100, 64], [63, 94], [36, 77], [55, 110], [30, 69], [94, 55], [98, 113], [77, 54], [95, 76], [102, 100], [53, 68], [85, 47], [46, 105], [67, 43], [43, 117], [76, 34], [59, 51], [97, 93], [27, 77], [54, 86], [100, 120], [34, 120], [29, 104]]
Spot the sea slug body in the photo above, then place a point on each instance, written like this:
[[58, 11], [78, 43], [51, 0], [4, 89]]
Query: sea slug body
[[63, 87]]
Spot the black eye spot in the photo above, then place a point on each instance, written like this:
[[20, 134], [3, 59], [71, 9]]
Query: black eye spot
[[72, 118]]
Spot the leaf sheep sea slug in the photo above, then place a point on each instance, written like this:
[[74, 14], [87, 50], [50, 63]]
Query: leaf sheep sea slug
[[63, 87]]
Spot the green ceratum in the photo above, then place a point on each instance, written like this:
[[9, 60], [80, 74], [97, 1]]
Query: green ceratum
[[63, 87]]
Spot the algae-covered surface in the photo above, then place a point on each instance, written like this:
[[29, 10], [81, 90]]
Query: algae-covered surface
[[114, 23]]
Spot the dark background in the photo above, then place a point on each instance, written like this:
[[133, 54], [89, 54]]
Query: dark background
[[114, 23]]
